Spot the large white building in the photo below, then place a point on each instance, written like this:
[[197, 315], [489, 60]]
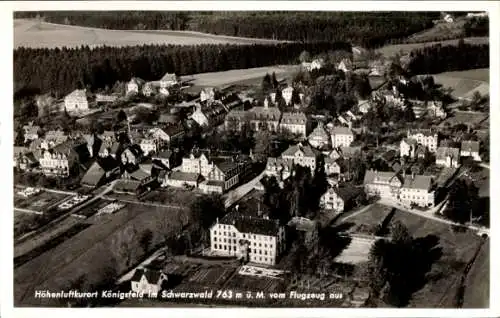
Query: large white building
[[425, 137], [255, 239], [294, 122], [287, 94], [58, 160], [408, 189], [341, 136], [76, 101]]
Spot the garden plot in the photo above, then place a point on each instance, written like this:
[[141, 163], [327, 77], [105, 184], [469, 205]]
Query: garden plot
[[41, 202], [358, 251]]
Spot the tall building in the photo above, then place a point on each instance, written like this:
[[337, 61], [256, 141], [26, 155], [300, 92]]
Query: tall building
[[255, 239]]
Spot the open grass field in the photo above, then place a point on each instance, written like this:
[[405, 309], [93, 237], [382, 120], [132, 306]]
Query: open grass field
[[478, 74], [90, 253], [30, 33], [478, 281], [366, 221], [453, 30], [390, 50], [247, 77], [457, 248], [465, 117], [463, 84]]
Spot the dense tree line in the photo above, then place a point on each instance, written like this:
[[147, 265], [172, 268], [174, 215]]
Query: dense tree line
[[63, 70], [437, 58], [368, 29], [477, 27]]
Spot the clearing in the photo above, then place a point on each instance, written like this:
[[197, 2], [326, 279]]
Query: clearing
[[463, 84], [90, 253], [390, 50], [35, 34]]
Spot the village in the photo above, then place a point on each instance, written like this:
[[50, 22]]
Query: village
[[289, 180]]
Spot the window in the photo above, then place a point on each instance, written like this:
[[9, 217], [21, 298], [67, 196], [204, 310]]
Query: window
[[234, 241], [224, 240], [220, 246], [215, 239], [225, 247]]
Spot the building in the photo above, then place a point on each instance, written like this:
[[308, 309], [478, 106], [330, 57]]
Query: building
[[167, 81], [149, 145], [338, 199], [470, 148], [223, 176], [212, 114], [279, 168], [150, 88], [207, 94], [435, 109], [294, 122], [59, 160], [265, 118], [76, 101], [30, 132], [425, 137], [287, 94], [148, 282], [319, 138], [448, 18], [167, 158], [383, 184], [135, 85], [448, 157], [255, 239], [110, 149], [132, 155], [100, 172], [331, 166], [341, 136], [471, 15], [179, 179], [345, 65], [417, 189], [408, 147], [169, 134], [302, 155], [236, 119], [316, 64]]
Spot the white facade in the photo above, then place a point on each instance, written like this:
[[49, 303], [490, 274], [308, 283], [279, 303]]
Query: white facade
[[56, 163], [264, 249], [331, 167], [427, 139], [287, 94], [341, 137], [148, 146], [420, 197], [199, 117], [146, 287], [332, 201], [76, 101], [132, 87]]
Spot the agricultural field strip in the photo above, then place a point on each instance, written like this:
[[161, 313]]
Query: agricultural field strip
[[60, 259], [390, 50]]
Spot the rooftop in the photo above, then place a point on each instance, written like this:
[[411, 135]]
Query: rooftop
[[252, 225], [184, 176], [469, 145], [418, 182], [292, 150]]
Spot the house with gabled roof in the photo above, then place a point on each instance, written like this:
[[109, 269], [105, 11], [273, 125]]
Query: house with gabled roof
[[110, 149], [341, 136], [470, 148], [148, 281], [302, 155], [279, 168], [382, 183], [59, 159], [339, 199], [76, 101], [168, 158], [30, 132], [254, 239], [319, 138], [345, 65], [135, 85], [448, 157], [168, 80], [265, 118], [418, 190], [101, 171], [426, 137], [132, 155]]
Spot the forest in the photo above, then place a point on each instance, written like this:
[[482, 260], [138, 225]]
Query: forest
[[437, 58], [367, 29], [60, 71]]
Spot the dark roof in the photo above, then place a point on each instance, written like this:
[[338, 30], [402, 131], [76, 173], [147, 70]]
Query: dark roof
[[347, 193], [186, 176], [225, 165], [152, 276], [165, 154], [470, 145], [94, 175], [108, 163], [126, 185], [173, 130], [254, 225]]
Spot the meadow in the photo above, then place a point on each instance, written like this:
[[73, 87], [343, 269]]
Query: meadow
[[34, 34]]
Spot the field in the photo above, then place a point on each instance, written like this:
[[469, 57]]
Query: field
[[463, 84], [90, 253], [251, 76], [465, 117], [390, 50], [39, 202], [478, 281], [441, 30], [35, 34], [365, 222], [457, 248]]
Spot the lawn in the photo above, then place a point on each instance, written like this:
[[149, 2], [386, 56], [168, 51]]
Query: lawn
[[444, 277], [366, 221], [92, 252], [390, 50], [478, 281], [247, 77], [29, 33], [172, 196]]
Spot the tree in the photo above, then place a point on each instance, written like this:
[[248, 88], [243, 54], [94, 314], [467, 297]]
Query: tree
[[400, 234], [122, 246], [262, 146], [146, 240], [267, 84], [274, 81], [462, 199], [205, 210], [304, 57]]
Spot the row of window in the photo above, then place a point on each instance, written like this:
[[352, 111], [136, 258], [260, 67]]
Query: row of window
[[245, 236]]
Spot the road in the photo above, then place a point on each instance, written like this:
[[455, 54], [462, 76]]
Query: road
[[351, 215], [484, 165], [147, 203], [28, 211], [236, 194]]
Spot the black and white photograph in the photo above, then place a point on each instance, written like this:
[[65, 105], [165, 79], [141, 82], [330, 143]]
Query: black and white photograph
[[198, 158]]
